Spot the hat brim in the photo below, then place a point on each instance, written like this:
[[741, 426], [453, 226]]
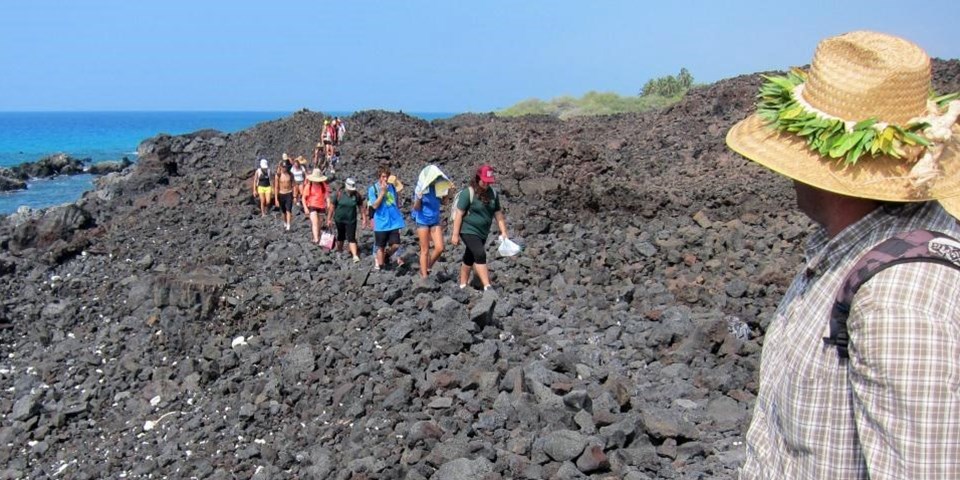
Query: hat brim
[[321, 178], [878, 178], [951, 205], [350, 189]]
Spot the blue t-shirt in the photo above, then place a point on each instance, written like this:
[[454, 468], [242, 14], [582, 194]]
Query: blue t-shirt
[[429, 213], [387, 216]]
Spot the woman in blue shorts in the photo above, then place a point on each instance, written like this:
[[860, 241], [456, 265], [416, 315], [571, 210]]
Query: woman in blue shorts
[[426, 212]]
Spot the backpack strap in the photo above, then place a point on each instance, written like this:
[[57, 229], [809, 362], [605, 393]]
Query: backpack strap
[[908, 247]]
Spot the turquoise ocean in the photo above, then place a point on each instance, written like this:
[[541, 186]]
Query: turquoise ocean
[[100, 136]]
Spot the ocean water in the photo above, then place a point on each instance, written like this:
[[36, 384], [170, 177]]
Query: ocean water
[[30, 136]]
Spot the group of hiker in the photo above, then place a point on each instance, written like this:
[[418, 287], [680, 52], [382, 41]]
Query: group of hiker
[[860, 368], [345, 210], [854, 383]]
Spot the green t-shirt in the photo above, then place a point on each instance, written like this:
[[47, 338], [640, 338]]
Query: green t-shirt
[[477, 216], [345, 208]]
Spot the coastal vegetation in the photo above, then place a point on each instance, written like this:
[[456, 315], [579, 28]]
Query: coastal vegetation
[[657, 93]]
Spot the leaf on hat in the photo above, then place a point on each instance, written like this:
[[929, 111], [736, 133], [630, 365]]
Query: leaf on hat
[[830, 137]]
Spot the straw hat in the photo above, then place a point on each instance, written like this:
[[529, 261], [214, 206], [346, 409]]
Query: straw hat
[[393, 180], [317, 176], [854, 77]]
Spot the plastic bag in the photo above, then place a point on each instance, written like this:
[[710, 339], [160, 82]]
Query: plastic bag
[[507, 248], [326, 240]]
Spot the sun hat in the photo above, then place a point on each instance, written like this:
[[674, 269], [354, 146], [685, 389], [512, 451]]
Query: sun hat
[[485, 172], [393, 180], [300, 159], [860, 123], [264, 163], [317, 176], [285, 156], [350, 184]]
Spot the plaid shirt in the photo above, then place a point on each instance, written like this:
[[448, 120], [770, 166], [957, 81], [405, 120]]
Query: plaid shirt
[[892, 411]]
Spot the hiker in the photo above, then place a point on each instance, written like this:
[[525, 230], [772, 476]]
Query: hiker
[[299, 175], [866, 388], [316, 201], [334, 132], [334, 160], [475, 209], [326, 137], [283, 194], [341, 130], [347, 203], [383, 197], [432, 185], [317, 155], [262, 185]]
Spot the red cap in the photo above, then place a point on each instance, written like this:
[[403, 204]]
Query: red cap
[[485, 172]]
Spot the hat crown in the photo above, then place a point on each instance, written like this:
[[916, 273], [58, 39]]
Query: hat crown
[[863, 75]]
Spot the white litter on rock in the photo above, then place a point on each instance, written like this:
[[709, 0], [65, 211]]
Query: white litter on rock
[[238, 342], [151, 424], [61, 469], [155, 401]]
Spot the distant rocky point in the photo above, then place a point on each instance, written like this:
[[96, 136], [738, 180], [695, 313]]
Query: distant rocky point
[[16, 177]]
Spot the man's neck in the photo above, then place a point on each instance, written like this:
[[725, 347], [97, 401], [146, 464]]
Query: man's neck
[[848, 214], [833, 211]]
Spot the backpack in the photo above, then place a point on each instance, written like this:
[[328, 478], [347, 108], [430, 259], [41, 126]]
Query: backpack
[[456, 200], [264, 179], [915, 246], [313, 200], [355, 195]]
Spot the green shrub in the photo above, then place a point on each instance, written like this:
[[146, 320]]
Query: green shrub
[[656, 94], [669, 85]]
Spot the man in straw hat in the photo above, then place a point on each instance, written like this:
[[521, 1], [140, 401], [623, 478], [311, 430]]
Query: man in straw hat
[[871, 158]]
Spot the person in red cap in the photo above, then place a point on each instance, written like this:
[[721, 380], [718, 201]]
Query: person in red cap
[[476, 207]]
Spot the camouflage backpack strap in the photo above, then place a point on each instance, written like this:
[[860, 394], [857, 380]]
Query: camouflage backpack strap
[[908, 247]]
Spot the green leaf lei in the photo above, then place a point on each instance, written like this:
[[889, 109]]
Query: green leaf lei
[[831, 137]]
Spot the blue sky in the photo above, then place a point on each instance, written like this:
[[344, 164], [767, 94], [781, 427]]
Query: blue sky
[[415, 55]]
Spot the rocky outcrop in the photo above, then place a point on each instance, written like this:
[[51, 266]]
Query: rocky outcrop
[[182, 335], [10, 180], [56, 164], [15, 178], [103, 168]]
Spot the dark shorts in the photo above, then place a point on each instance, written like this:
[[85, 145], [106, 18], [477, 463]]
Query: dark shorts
[[327, 142], [321, 211], [428, 225], [381, 239], [474, 252], [347, 231], [286, 202]]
